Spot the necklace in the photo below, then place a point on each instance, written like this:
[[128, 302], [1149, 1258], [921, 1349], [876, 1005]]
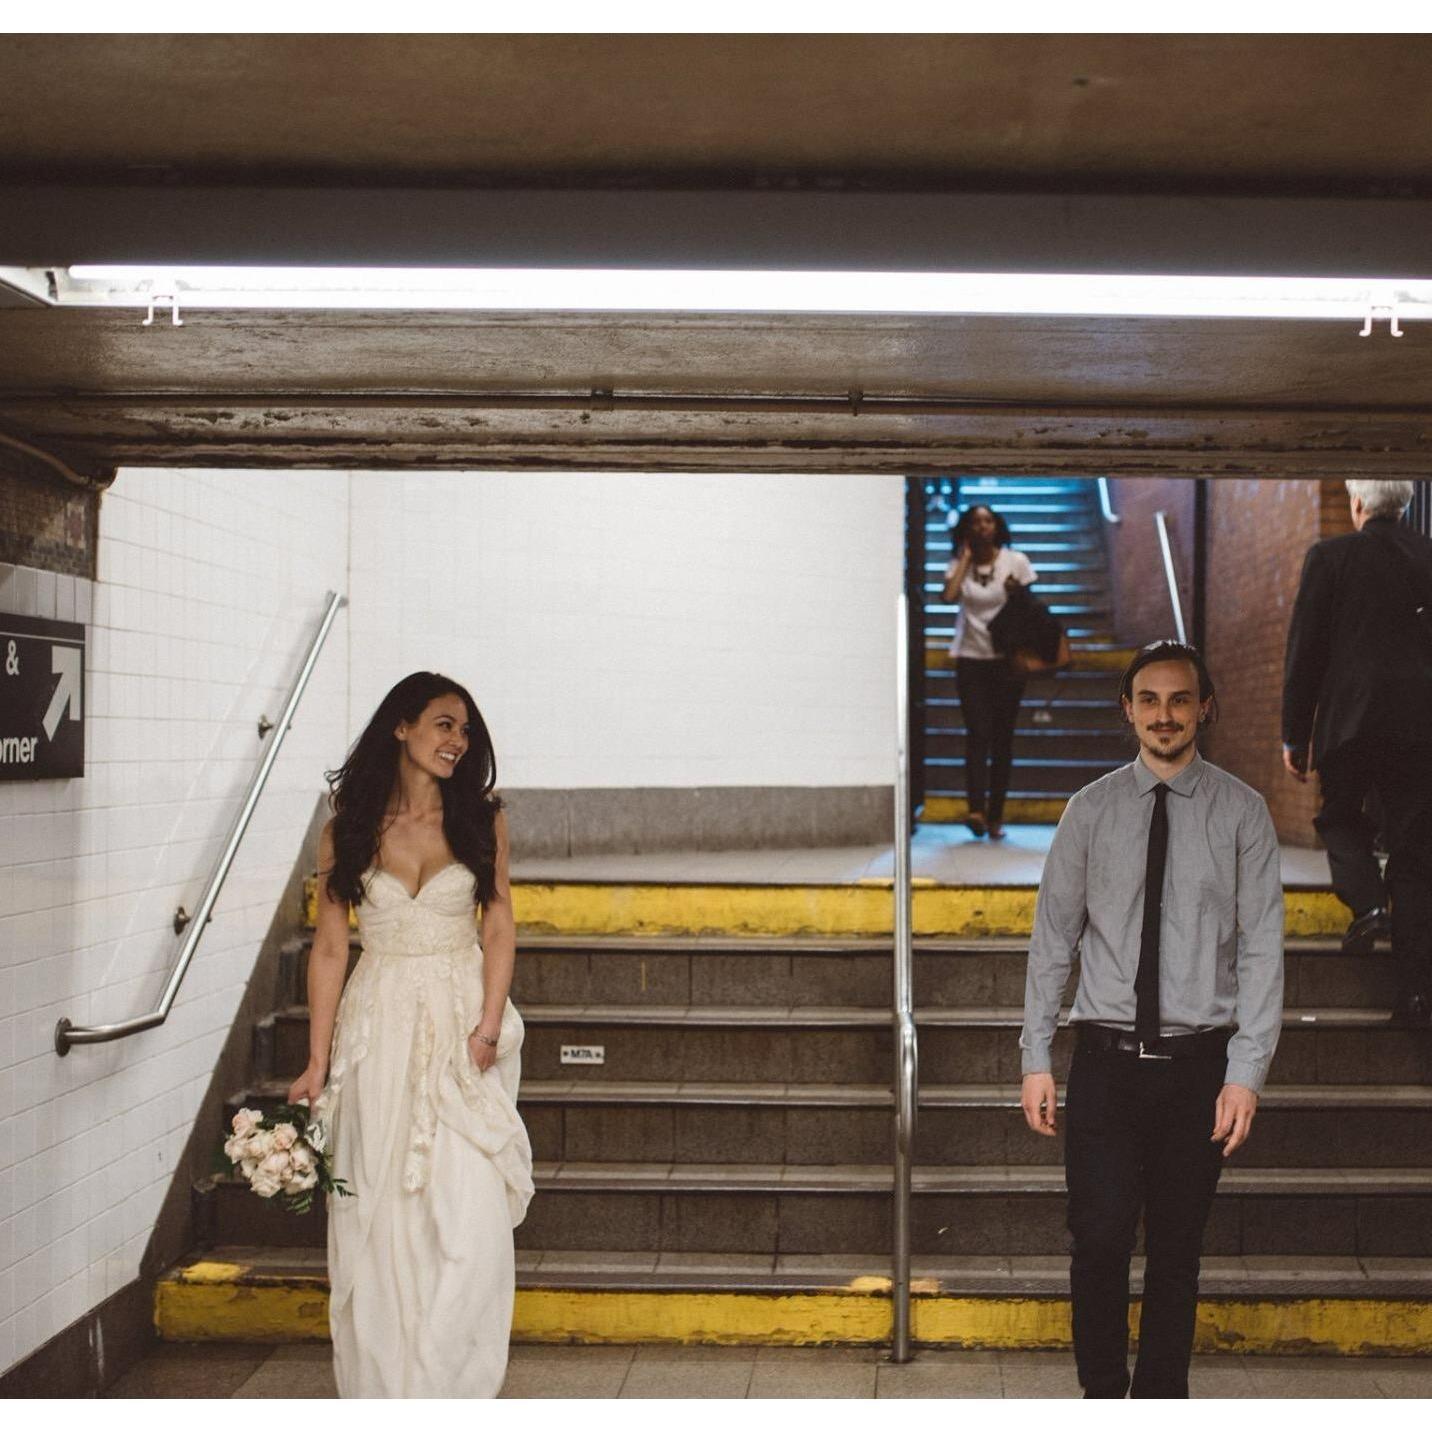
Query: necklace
[[986, 577]]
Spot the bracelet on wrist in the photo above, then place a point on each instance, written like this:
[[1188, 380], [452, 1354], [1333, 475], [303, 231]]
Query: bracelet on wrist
[[482, 1038]]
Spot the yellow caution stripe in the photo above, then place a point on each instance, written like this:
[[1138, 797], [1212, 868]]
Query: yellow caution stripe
[[863, 908], [1018, 810], [197, 1304]]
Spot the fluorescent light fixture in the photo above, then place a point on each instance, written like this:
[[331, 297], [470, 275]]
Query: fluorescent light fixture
[[701, 291]]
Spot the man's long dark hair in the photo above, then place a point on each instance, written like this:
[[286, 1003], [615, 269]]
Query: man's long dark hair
[[362, 786]]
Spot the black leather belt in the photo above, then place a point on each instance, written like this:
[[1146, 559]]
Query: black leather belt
[[1100, 1039]]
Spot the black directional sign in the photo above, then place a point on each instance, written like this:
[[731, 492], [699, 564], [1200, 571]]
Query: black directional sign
[[42, 694]]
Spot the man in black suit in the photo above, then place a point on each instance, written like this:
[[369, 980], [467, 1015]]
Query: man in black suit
[[1357, 708]]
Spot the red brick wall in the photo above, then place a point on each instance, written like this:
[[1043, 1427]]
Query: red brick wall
[[1258, 533], [48, 525], [1142, 610]]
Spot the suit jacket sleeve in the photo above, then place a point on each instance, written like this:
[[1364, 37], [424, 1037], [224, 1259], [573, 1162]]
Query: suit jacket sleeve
[[1309, 640]]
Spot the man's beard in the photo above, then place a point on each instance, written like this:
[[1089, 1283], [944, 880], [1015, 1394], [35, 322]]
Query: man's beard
[[1165, 753]]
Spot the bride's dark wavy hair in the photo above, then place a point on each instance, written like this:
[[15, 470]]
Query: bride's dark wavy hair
[[359, 790]]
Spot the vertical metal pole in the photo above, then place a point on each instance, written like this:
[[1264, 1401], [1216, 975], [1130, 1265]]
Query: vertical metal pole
[[906, 1052], [1161, 522]]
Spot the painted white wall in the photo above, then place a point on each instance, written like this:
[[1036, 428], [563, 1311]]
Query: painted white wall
[[627, 630], [210, 584]]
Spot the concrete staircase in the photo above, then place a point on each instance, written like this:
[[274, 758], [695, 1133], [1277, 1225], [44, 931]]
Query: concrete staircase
[[725, 1174], [1069, 732]]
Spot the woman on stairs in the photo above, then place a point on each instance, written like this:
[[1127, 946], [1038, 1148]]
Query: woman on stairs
[[981, 573], [419, 1096]]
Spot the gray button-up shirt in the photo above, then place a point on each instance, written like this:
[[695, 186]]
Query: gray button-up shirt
[[1221, 941]]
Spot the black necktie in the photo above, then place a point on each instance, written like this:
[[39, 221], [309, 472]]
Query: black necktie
[[1146, 982]]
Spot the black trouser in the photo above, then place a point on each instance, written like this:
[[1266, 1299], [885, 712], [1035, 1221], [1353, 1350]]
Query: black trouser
[[1401, 777], [990, 694], [1138, 1138]]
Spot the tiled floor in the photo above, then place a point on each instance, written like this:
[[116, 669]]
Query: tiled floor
[[948, 854], [305, 1370]]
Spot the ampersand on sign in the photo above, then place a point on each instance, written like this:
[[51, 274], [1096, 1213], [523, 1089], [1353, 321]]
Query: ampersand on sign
[[12, 660]]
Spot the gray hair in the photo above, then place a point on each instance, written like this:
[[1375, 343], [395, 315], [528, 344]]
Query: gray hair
[[1380, 496]]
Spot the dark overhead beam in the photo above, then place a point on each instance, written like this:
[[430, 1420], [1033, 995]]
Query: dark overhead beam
[[590, 436], [56, 225]]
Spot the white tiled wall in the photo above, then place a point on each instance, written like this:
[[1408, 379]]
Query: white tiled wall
[[617, 631], [209, 586], [641, 629]]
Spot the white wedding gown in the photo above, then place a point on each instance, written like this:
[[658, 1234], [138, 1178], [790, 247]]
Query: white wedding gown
[[420, 1262]]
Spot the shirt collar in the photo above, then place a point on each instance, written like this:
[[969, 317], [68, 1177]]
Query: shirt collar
[[1183, 784]]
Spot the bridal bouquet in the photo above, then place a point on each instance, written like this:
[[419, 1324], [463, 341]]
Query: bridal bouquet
[[283, 1154]]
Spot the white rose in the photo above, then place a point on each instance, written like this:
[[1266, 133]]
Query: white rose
[[277, 1163], [247, 1167], [247, 1120], [264, 1183], [260, 1145], [285, 1136], [302, 1157], [234, 1147]]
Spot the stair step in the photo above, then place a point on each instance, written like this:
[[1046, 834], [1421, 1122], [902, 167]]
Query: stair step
[[267, 1092], [1091, 544], [809, 971], [1256, 1304], [1109, 748], [787, 1017], [1091, 567], [651, 1121], [972, 1183], [1071, 715], [765, 1044], [823, 1209]]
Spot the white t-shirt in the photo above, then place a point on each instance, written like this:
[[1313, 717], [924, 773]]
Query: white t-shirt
[[981, 601]]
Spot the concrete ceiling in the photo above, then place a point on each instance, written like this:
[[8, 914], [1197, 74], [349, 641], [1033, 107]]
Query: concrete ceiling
[[873, 122], [1306, 113]]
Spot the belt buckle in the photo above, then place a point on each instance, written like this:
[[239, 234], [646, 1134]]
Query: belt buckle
[[1144, 1054]]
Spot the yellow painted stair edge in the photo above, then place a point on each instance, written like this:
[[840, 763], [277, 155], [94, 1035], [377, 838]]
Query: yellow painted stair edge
[[1019, 810], [864, 908], [217, 1303]]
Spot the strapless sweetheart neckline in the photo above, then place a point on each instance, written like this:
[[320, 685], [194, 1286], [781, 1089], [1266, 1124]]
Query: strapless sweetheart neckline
[[451, 865]]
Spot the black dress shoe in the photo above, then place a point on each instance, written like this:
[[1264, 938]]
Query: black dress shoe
[[1413, 1011], [1362, 934]]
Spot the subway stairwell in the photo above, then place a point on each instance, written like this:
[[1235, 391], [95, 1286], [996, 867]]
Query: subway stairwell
[[1069, 731], [725, 1174]]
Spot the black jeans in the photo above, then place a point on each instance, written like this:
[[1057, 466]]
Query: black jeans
[[1138, 1138], [990, 694], [1401, 777]]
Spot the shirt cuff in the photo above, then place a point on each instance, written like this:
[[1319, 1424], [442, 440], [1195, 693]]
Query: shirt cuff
[[1250, 1076], [1035, 1061]]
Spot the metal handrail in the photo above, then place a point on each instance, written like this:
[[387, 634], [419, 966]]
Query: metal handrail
[[903, 1016], [1106, 506], [1161, 522], [67, 1034]]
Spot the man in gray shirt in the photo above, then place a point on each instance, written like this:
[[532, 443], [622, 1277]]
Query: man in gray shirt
[[1165, 877]]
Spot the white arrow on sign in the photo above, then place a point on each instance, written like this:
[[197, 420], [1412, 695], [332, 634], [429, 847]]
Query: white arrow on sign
[[66, 660]]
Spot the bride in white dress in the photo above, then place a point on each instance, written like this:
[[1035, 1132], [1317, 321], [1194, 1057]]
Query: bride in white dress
[[419, 1098]]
